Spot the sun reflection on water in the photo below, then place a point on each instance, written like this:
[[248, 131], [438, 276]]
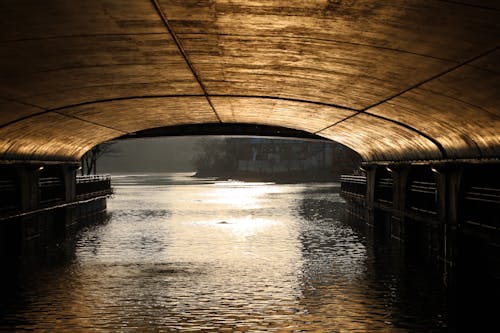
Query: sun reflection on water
[[239, 194]]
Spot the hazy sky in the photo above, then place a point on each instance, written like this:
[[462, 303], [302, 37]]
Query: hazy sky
[[160, 154]]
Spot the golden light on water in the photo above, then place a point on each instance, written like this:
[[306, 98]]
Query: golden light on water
[[240, 195], [245, 259], [238, 234]]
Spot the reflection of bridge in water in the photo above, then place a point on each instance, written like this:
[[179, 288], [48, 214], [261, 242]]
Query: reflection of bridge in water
[[413, 89]]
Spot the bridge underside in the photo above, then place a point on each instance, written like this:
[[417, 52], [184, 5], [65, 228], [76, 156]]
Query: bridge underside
[[395, 81]]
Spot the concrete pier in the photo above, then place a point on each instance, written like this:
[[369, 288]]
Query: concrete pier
[[444, 216], [437, 210], [41, 204]]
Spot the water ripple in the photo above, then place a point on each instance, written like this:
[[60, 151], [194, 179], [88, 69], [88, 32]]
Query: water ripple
[[184, 256]]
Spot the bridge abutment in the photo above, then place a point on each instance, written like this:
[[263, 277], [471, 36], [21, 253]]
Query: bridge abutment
[[435, 210], [42, 204], [444, 216]]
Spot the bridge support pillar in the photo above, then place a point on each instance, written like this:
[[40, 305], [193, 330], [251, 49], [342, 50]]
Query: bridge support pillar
[[450, 195], [27, 177], [69, 178], [397, 218]]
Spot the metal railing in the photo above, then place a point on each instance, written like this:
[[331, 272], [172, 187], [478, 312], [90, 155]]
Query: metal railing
[[482, 205], [93, 185], [92, 178], [483, 194], [50, 189], [383, 190], [9, 195], [353, 185], [422, 196]]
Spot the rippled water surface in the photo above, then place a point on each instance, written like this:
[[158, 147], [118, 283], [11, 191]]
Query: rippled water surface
[[180, 254]]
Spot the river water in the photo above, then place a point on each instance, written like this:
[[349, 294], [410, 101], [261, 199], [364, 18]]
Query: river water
[[184, 254]]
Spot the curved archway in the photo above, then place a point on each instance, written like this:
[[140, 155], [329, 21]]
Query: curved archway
[[414, 82], [72, 130]]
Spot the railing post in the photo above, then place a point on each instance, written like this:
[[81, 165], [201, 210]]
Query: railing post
[[371, 172]]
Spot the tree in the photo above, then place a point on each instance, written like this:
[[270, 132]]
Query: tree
[[89, 159]]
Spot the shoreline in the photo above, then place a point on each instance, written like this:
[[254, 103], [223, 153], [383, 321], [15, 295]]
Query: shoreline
[[279, 178]]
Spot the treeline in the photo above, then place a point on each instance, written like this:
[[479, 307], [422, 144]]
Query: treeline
[[273, 159]]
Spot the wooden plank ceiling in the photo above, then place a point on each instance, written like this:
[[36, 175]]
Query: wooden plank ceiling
[[394, 80]]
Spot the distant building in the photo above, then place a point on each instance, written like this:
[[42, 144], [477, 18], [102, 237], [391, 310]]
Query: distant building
[[277, 156]]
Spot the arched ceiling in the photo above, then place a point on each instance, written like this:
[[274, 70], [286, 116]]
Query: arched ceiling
[[394, 80]]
